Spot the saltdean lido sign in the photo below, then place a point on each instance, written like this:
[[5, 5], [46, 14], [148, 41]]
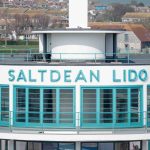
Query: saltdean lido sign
[[81, 75]]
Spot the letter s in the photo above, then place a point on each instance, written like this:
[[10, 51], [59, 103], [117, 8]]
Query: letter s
[[11, 75]]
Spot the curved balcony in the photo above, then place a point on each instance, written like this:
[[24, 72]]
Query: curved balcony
[[74, 121]]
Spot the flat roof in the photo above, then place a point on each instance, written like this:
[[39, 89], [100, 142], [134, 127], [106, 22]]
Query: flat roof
[[122, 60], [71, 30]]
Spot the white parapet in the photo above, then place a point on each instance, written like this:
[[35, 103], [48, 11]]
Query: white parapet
[[78, 13]]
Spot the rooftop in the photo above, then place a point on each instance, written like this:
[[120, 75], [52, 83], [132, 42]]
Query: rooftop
[[137, 15], [139, 30]]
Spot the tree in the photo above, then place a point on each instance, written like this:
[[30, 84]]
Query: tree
[[116, 13], [140, 4]]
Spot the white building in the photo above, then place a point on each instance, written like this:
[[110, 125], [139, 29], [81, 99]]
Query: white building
[[70, 96]]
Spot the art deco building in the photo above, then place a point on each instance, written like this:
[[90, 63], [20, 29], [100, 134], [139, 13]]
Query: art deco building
[[77, 93]]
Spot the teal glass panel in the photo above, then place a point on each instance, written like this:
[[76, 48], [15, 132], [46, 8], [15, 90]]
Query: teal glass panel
[[148, 105], [106, 106], [66, 106], [89, 106], [121, 106], [49, 106], [34, 106], [20, 105], [44, 107], [135, 105], [111, 107], [5, 104]]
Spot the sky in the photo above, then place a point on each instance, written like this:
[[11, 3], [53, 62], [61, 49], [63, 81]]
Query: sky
[[146, 2]]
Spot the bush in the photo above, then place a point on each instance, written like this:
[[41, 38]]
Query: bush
[[19, 42]]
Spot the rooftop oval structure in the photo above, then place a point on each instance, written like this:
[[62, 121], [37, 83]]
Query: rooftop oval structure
[[77, 44]]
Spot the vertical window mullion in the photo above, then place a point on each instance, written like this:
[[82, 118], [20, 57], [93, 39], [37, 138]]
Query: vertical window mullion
[[41, 106], [141, 104], [98, 106], [114, 107], [27, 106], [57, 106], [0, 104], [129, 106]]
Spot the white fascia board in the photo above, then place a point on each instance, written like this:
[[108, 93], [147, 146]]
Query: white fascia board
[[74, 138], [90, 31]]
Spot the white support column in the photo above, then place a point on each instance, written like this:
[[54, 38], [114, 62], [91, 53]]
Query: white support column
[[78, 145], [41, 44], [11, 103], [144, 145], [78, 106], [78, 13]]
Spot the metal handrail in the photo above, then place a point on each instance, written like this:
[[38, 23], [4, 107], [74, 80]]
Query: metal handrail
[[27, 120], [60, 57]]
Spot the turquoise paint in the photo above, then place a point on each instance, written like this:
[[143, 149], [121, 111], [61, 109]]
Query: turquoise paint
[[124, 75], [67, 75], [115, 124], [114, 77], [129, 106], [11, 75], [143, 76], [41, 106], [42, 73], [98, 106], [57, 106], [94, 76], [80, 77], [54, 75], [21, 76], [27, 106], [41, 112], [4, 119], [132, 75], [31, 79], [75, 76]]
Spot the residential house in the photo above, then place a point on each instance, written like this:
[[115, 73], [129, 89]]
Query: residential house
[[134, 39], [135, 17]]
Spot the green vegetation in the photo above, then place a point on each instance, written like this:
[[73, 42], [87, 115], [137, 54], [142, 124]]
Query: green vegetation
[[18, 46]]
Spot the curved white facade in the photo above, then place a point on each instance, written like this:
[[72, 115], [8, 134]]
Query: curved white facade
[[81, 46], [75, 90]]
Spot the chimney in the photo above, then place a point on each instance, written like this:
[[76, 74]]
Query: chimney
[[78, 13]]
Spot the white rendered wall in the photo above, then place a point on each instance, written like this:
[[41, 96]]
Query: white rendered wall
[[41, 44], [78, 13], [105, 80], [87, 44]]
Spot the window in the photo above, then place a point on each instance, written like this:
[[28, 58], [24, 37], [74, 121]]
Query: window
[[44, 107], [4, 105], [111, 107], [148, 106], [126, 38]]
